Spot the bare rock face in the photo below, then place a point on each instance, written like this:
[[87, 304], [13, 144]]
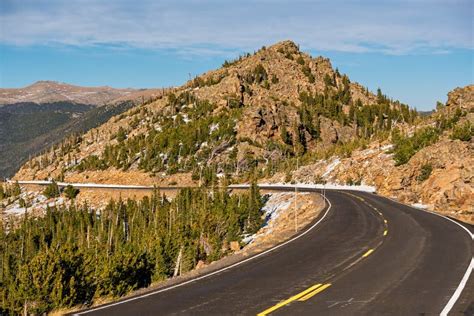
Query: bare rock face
[[461, 97], [449, 186], [345, 133], [262, 124], [332, 132], [328, 131]]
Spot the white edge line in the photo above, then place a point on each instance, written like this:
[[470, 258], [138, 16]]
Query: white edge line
[[212, 273], [437, 214], [458, 291], [465, 278]]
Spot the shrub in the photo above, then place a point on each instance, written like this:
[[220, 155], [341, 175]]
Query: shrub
[[406, 147], [52, 190], [266, 84], [300, 60], [463, 132], [121, 135], [308, 74], [319, 180], [71, 192], [328, 81], [260, 74], [425, 172], [274, 79], [15, 190]]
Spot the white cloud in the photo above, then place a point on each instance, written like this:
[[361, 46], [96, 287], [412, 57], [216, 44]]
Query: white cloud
[[214, 27]]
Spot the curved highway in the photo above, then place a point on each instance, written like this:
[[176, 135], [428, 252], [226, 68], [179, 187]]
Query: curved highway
[[365, 255]]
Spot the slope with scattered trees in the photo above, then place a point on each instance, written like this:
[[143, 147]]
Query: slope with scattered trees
[[78, 254], [249, 118]]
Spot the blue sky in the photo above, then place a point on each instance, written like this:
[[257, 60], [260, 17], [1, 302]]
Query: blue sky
[[416, 51]]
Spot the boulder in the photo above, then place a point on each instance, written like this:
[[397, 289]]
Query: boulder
[[234, 246]]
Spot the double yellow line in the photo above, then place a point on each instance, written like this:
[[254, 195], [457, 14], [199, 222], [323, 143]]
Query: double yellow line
[[385, 222], [301, 297], [318, 288]]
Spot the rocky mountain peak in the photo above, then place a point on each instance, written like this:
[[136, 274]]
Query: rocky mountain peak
[[286, 46], [461, 97], [277, 102]]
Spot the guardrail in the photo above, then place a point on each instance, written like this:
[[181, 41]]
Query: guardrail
[[363, 188]]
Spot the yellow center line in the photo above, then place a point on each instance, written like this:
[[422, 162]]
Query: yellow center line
[[367, 253], [311, 294], [318, 288], [287, 301]]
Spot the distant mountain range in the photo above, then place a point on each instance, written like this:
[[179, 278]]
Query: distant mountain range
[[39, 115], [51, 91]]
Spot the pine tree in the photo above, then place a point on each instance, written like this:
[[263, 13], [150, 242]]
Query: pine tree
[[52, 190], [121, 134], [70, 192]]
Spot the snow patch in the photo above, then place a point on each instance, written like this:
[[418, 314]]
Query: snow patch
[[420, 206], [331, 166], [275, 205], [367, 152], [186, 118], [213, 127], [387, 147], [15, 210]]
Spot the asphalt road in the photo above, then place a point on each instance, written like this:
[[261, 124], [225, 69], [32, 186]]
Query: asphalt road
[[367, 256]]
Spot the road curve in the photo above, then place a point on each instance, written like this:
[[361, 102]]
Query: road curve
[[368, 256]]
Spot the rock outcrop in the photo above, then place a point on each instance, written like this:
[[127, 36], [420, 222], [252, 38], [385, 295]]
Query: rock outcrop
[[461, 97]]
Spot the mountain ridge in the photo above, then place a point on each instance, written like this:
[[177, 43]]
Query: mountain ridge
[[259, 115], [48, 91]]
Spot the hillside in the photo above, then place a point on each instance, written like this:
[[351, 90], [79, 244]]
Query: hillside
[[274, 104], [430, 167], [35, 117], [263, 115]]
